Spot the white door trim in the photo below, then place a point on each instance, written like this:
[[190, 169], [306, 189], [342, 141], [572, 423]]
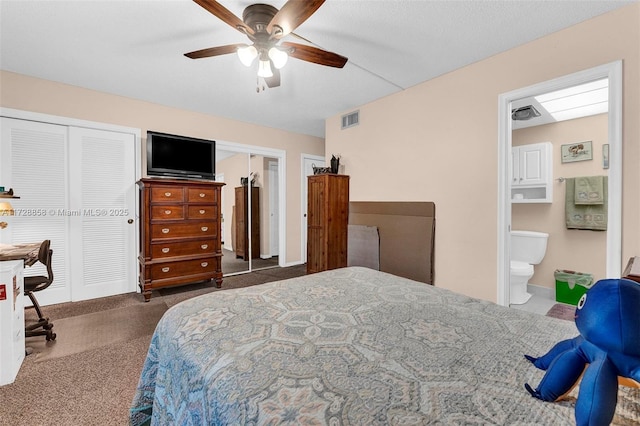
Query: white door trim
[[613, 71], [274, 213]]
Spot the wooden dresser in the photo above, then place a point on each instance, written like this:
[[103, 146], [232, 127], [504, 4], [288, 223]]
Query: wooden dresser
[[242, 223], [179, 233], [327, 222]]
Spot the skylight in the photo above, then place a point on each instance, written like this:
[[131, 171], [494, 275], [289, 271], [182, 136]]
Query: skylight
[[578, 101]]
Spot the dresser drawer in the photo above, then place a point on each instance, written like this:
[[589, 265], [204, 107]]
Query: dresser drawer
[[190, 267], [201, 195], [167, 212], [161, 231], [202, 212], [183, 248], [167, 194]]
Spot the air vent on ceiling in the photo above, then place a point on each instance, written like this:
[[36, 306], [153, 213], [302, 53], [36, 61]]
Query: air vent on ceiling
[[524, 113], [351, 119]]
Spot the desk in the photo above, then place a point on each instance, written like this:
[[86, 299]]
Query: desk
[[12, 347], [13, 259], [28, 252]]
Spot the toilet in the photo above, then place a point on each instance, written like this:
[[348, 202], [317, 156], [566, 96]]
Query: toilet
[[527, 249]]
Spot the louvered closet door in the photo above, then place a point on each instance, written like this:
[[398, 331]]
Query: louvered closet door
[[102, 187], [77, 188], [33, 162]]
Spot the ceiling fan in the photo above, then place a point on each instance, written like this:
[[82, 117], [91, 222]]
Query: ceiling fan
[[265, 26]]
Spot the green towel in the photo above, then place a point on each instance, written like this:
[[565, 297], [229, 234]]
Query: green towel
[[589, 190], [589, 216]]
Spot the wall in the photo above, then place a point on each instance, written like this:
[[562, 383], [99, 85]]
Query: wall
[[437, 141], [578, 250], [47, 97]]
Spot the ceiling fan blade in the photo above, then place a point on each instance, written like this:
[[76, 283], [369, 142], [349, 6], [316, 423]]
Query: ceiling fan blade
[[291, 15], [225, 15], [273, 81], [315, 55], [214, 51]]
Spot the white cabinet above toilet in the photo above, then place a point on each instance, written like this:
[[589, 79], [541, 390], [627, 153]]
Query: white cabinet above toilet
[[532, 173]]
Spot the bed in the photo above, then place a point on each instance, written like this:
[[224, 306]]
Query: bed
[[349, 346]]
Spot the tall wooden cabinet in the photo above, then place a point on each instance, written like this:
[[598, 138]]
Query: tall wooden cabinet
[[327, 222], [242, 222], [179, 232]]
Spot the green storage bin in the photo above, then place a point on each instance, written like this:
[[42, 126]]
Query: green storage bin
[[571, 285]]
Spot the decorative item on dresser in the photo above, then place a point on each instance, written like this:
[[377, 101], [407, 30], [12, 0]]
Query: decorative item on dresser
[[242, 222], [327, 222], [180, 233]]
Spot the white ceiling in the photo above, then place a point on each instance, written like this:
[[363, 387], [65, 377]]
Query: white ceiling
[[135, 49]]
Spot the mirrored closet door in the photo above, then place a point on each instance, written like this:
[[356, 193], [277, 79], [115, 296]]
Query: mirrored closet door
[[250, 210]]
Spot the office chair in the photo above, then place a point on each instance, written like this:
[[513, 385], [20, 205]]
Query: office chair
[[32, 284]]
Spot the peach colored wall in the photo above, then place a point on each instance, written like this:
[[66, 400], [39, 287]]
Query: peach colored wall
[[31, 94], [437, 141], [578, 250]]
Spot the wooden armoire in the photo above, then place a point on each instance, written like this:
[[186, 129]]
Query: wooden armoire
[[242, 223], [327, 222]]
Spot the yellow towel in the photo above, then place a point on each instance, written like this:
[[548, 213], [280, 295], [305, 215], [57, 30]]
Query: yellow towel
[[589, 190]]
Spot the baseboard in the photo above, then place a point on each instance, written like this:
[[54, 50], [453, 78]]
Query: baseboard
[[544, 292]]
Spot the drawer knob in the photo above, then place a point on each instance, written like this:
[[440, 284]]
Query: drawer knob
[[165, 230], [166, 249], [165, 269], [202, 211], [205, 228], [167, 194], [204, 264], [202, 195], [204, 246], [167, 212]]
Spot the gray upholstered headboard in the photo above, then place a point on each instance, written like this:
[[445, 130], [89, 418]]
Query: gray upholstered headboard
[[407, 235]]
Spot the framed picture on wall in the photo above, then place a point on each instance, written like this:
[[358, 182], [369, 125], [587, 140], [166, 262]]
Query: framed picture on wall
[[605, 156], [580, 151]]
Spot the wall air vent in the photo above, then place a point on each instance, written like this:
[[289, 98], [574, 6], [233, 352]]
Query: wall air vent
[[351, 119], [524, 113]]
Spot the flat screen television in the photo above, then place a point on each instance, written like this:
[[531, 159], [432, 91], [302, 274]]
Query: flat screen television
[[180, 156]]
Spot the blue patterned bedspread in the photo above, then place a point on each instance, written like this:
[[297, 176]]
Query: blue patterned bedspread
[[348, 346]]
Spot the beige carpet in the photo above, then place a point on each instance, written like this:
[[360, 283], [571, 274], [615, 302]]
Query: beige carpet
[[91, 331]]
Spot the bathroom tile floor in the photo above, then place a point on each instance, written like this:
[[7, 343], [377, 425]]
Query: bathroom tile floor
[[539, 304], [542, 299]]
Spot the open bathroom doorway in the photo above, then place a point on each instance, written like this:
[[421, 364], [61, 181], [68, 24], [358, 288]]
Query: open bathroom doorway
[[511, 101]]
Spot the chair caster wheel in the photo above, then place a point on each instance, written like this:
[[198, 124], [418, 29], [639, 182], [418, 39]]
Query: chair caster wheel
[[51, 336]]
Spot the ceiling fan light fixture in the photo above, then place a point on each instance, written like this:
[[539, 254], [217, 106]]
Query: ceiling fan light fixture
[[247, 54], [264, 69], [279, 57]]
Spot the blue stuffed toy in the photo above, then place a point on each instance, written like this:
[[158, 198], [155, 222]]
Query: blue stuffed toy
[[608, 348]]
